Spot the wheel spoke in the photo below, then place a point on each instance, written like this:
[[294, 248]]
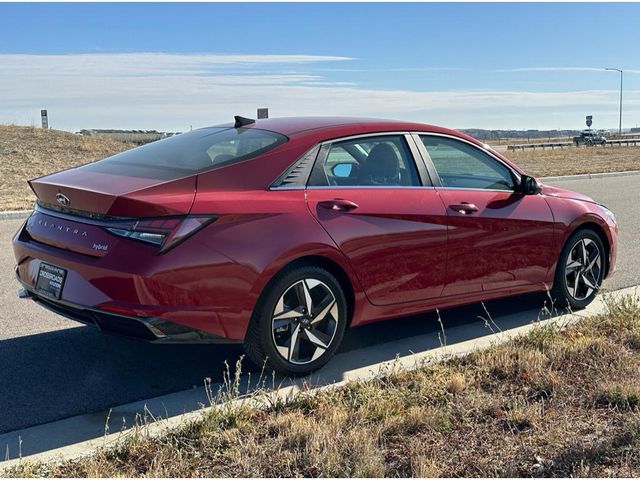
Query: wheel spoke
[[585, 255], [587, 282], [295, 343], [596, 258], [574, 265], [323, 309], [304, 295], [285, 316], [318, 338], [288, 314]]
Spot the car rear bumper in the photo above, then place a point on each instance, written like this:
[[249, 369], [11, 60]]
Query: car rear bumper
[[203, 296], [149, 329]]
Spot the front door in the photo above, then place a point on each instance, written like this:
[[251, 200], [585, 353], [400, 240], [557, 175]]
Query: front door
[[498, 239], [369, 197]]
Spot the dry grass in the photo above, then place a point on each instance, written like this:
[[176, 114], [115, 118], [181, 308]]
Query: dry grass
[[554, 403], [29, 152], [571, 161]]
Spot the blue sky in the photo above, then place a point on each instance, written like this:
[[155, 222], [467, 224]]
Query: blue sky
[[169, 66]]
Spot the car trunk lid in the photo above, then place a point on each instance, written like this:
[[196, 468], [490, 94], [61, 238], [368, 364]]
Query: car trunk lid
[[99, 194], [81, 204]]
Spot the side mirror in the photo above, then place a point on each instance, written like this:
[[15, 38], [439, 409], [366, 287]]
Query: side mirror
[[528, 185], [342, 170]]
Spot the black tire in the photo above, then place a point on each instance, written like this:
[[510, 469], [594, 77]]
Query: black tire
[[561, 293], [260, 340]]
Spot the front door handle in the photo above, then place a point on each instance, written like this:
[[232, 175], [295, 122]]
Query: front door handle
[[464, 208], [338, 204]]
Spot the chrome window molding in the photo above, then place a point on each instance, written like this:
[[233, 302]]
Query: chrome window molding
[[364, 135], [483, 150], [369, 187], [424, 165], [414, 155], [477, 189]]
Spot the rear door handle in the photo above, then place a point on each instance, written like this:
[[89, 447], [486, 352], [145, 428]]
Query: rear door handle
[[464, 208], [338, 204]]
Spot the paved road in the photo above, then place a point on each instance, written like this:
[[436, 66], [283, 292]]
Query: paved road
[[51, 368]]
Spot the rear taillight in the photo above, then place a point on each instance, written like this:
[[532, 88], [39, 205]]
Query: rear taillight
[[164, 232]]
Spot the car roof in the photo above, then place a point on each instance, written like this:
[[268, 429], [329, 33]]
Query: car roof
[[327, 128]]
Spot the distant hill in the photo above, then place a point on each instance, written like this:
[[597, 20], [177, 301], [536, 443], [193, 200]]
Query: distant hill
[[29, 152]]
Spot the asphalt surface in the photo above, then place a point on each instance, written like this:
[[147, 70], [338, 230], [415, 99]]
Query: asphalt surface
[[51, 368]]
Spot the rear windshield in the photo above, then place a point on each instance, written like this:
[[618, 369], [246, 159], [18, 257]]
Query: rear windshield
[[189, 153]]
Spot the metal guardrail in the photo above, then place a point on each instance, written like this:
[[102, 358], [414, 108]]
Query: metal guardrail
[[623, 141], [610, 143], [552, 145]]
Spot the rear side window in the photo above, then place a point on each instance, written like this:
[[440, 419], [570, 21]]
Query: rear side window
[[367, 161], [190, 153]]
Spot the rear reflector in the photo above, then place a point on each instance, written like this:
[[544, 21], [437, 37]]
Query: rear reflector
[[164, 232]]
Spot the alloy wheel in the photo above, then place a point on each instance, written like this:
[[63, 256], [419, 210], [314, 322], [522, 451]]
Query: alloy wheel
[[304, 321], [583, 269]]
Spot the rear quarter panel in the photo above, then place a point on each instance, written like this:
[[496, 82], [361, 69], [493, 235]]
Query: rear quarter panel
[[261, 232]]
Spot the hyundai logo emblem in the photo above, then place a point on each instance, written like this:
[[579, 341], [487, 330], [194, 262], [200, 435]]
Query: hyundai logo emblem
[[63, 200]]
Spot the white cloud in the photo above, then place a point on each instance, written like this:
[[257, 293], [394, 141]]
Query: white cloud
[[171, 92]]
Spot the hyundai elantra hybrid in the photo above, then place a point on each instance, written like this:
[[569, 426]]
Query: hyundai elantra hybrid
[[282, 233]]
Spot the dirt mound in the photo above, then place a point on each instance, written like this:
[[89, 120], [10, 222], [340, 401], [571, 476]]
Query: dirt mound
[[29, 152]]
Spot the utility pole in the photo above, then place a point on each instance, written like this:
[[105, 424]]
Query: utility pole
[[620, 121]]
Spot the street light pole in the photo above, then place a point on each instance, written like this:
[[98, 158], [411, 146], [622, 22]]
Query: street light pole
[[620, 121]]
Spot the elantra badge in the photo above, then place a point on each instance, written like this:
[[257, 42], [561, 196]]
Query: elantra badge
[[63, 200]]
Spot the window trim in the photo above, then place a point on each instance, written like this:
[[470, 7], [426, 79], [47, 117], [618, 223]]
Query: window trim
[[434, 173], [414, 155]]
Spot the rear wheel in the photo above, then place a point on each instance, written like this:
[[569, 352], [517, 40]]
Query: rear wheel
[[580, 270], [299, 321]]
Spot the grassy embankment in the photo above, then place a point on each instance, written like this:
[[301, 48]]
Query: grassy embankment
[[29, 152], [558, 402]]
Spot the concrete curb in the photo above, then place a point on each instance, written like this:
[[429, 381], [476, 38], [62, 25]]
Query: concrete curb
[[15, 214], [588, 176], [285, 393]]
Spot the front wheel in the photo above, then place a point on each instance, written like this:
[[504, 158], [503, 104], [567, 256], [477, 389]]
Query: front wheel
[[299, 321], [580, 270]]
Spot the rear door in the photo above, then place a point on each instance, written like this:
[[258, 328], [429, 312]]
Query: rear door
[[498, 239], [384, 214]]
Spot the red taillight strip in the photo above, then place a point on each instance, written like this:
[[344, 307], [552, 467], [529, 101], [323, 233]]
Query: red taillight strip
[[164, 232]]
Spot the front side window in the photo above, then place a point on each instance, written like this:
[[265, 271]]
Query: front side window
[[368, 161], [460, 165]]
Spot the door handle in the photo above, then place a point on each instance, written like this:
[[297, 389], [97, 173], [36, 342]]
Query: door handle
[[464, 208], [338, 204]]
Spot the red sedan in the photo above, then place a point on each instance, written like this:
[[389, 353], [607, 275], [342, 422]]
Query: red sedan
[[281, 233]]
